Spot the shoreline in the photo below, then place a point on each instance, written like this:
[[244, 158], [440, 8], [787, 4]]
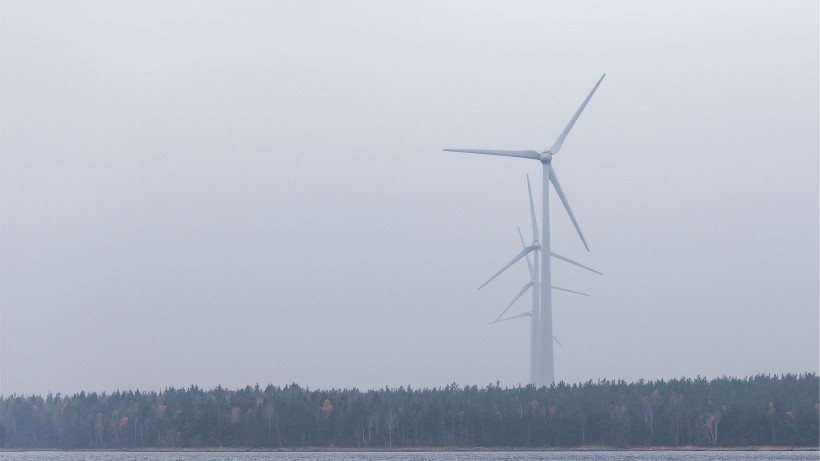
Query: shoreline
[[420, 450]]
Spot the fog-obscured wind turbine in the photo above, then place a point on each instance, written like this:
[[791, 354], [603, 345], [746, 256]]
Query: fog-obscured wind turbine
[[545, 373], [534, 283]]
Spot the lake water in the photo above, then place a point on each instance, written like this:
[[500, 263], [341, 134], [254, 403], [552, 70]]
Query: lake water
[[417, 456]]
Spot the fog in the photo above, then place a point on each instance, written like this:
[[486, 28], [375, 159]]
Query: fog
[[255, 192]]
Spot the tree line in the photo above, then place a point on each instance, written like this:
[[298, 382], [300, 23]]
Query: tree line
[[762, 410]]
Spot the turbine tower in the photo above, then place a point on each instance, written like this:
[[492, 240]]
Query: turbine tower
[[542, 344]]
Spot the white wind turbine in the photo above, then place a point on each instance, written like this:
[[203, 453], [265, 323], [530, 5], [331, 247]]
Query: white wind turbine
[[545, 369], [535, 285]]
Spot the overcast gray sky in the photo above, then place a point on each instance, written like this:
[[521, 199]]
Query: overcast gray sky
[[237, 192]]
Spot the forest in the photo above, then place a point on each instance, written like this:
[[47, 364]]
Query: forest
[[763, 410]]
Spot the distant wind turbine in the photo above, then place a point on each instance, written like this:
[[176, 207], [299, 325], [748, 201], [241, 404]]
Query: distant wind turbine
[[545, 372], [535, 285]]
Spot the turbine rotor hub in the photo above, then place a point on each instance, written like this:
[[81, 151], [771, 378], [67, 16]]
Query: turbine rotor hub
[[536, 245], [545, 157]]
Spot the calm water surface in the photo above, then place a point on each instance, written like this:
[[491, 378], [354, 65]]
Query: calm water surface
[[420, 456]]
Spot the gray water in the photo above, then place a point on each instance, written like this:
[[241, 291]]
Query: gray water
[[418, 456]]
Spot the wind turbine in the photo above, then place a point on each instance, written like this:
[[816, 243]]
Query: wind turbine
[[534, 283], [545, 369]]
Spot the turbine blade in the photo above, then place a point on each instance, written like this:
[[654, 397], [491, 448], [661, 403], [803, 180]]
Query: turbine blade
[[568, 290], [556, 146], [506, 153], [564, 258], [524, 245], [523, 253], [525, 314], [559, 342], [557, 185], [520, 293], [532, 213]]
